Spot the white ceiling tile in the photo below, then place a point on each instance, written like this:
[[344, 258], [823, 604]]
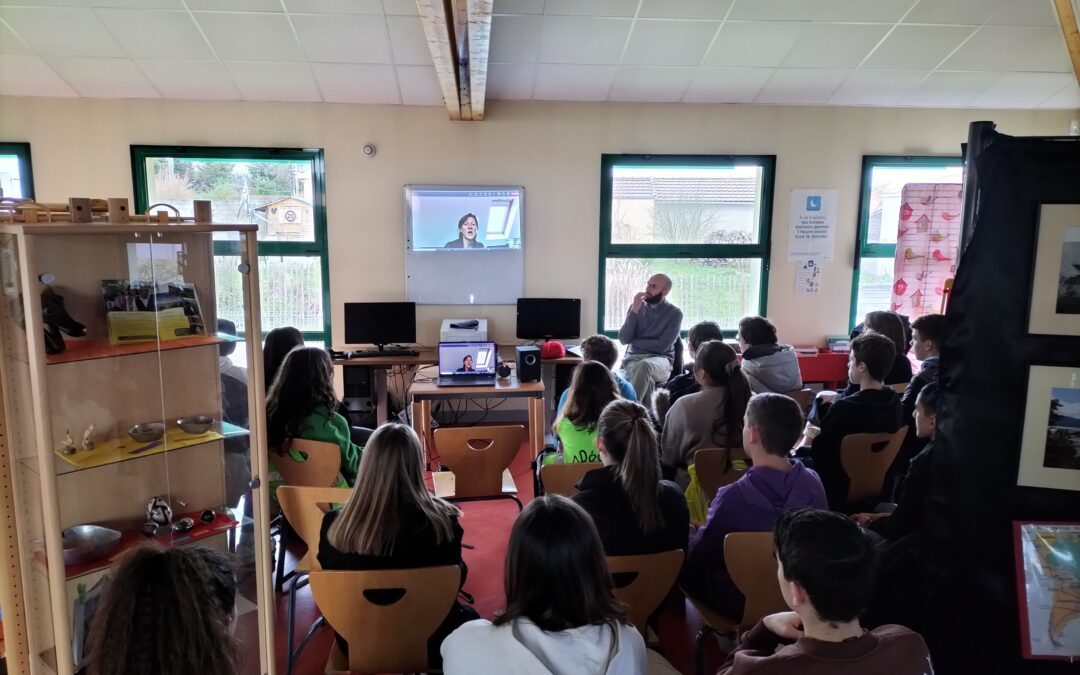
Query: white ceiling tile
[[834, 45], [591, 7], [802, 86], [62, 32], [400, 8], [335, 6], [45, 3], [1025, 13], [684, 9], [727, 85], [519, 6], [873, 11], [556, 82], [355, 83], [876, 87], [511, 80], [1022, 90], [22, 75], [198, 80], [917, 47], [1012, 48], [949, 90], [11, 43], [774, 10], [340, 38], [654, 85], [669, 43], [515, 39], [585, 40], [1067, 98], [237, 5], [136, 4], [420, 85], [250, 37], [753, 43], [262, 81], [105, 78], [408, 42], [969, 12], [155, 33]]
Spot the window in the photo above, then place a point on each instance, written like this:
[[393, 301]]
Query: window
[[883, 179], [281, 191], [16, 177], [703, 220]]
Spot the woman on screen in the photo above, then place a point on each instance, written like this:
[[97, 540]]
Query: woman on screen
[[466, 365], [468, 227]]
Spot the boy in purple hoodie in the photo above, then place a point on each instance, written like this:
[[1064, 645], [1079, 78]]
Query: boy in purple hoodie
[[773, 485]]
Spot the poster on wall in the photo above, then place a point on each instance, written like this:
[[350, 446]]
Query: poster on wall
[[1055, 288], [1048, 589], [1050, 446], [812, 225]]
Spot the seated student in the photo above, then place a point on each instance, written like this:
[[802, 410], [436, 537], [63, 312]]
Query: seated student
[[827, 577], [603, 349], [634, 511], [591, 388], [391, 521], [891, 326], [873, 408], [684, 383], [561, 614], [927, 334], [166, 612], [711, 418], [278, 343], [767, 365], [773, 485]]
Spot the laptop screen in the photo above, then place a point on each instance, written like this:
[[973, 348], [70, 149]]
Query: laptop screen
[[467, 358]]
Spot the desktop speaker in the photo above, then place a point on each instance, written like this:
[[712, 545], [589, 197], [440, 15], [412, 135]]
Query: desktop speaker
[[528, 364]]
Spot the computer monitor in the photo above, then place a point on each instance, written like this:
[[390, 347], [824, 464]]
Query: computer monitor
[[548, 318], [380, 323]]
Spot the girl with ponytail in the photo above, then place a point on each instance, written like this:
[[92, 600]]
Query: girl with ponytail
[[635, 511]]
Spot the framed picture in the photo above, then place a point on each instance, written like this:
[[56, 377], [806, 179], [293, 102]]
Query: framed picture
[[1050, 449], [1048, 589], [1055, 288]]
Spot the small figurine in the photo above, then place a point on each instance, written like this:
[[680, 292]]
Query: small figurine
[[87, 443], [158, 511], [183, 525], [208, 516], [69, 443], [149, 528]]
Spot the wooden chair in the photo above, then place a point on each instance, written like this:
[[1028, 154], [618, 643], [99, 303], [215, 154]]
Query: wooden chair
[[385, 616], [321, 469], [643, 581], [302, 509], [751, 563], [562, 479], [899, 387], [714, 468], [804, 397], [479, 460], [866, 459]]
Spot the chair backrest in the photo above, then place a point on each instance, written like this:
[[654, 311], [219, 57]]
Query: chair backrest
[[386, 616], [899, 387], [804, 397], [477, 456], [643, 581], [714, 469], [320, 469], [866, 459], [562, 479], [750, 561], [302, 508]]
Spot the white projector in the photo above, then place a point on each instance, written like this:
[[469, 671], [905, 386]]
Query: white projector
[[465, 332]]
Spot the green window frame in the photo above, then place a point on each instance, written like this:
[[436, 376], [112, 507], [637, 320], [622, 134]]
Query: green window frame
[[26, 172], [317, 248], [759, 251], [863, 247]]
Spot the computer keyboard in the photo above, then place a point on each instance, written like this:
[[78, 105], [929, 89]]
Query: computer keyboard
[[385, 352]]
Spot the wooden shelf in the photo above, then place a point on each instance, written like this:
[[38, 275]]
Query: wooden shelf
[[78, 350], [116, 450]]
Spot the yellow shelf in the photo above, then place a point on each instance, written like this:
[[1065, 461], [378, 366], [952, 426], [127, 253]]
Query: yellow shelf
[[78, 350], [125, 449]]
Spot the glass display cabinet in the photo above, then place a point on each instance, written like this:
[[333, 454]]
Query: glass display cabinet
[[127, 418]]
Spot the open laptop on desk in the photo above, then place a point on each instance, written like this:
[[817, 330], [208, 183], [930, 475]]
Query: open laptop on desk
[[467, 364]]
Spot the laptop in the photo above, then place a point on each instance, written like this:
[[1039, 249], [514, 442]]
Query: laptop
[[467, 364]]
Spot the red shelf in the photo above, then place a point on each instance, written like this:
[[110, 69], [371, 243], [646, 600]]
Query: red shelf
[[89, 350]]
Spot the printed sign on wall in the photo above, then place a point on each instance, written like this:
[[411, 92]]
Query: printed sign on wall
[[813, 224]]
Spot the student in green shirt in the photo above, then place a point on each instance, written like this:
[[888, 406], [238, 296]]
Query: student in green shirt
[[591, 388]]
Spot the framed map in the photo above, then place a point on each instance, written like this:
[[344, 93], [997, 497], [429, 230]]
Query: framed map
[[1048, 589]]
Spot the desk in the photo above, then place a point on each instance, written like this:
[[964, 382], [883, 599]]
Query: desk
[[829, 368], [379, 365]]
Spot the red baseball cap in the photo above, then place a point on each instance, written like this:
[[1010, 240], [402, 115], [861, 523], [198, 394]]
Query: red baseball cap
[[552, 350]]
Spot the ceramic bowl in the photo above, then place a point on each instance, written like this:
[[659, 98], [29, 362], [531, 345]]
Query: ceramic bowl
[[196, 424], [88, 543], [147, 431]]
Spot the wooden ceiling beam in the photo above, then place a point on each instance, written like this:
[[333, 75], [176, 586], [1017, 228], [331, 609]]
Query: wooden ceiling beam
[[479, 32], [1067, 17], [437, 16]]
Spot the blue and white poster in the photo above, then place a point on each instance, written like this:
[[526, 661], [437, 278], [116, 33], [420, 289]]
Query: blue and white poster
[[813, 225]]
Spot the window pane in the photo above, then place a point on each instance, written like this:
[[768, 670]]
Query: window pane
[[886, 184], [10, 177], [718, 289], [291, 291], [276, 194], [875, 286], [685, 205]]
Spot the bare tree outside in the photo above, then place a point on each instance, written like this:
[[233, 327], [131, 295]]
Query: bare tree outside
[[684, 222]]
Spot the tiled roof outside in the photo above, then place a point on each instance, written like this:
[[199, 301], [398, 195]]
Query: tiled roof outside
[[699, 190]]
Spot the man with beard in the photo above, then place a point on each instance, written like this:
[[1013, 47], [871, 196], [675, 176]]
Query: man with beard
[[467, 229], [650, 329]]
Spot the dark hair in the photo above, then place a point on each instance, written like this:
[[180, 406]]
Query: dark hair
[[876, 351], [279, 342], [721, 364], [931, 327], [757, 330], [600, 348], [468, 357], [166, 612], [228, 328], [702, 332], [461, 221], [778, 419], [928, 398], [556, 574], [304, 385], [831, 557], [630, 439], [891, 326], [591, 388]]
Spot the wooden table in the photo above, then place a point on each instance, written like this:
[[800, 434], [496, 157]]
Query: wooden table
[[379, 365]]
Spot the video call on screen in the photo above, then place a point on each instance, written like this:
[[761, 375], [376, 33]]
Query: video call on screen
[[452, 359]]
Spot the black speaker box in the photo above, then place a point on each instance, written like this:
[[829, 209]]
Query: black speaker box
[[528, 364]]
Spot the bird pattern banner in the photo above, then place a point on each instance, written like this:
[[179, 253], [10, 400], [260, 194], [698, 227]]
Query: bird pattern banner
[[927, 240]]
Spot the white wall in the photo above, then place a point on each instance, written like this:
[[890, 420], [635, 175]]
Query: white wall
[[80, 148]]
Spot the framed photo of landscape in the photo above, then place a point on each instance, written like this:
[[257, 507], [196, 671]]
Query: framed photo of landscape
[[1055, 288], [1050, 448]]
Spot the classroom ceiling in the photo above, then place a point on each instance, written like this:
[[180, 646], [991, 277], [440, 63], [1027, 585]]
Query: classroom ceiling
[[926, 53]]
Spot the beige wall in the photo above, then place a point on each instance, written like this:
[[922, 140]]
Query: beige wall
[[80, 147]]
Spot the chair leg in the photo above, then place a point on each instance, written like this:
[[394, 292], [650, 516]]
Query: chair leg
[[699, 649], [290, 656], [279, 582], [518, 502]]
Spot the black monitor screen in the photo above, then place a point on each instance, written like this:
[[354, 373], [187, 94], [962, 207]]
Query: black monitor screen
[[548, 318], [380, 323]]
